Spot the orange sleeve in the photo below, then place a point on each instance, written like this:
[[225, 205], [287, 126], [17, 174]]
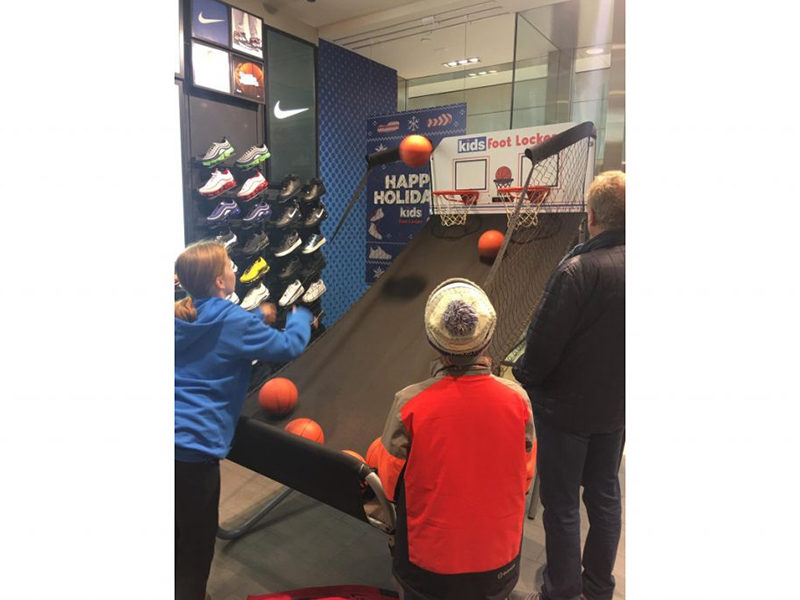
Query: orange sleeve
[[389, 469]]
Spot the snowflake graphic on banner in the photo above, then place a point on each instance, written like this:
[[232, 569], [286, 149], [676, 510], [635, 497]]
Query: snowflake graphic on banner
[[378, 271], [380, 148], [413, 123]]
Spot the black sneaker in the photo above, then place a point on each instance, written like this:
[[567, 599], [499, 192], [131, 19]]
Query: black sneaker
[[291, 216], [313, 243], [289, 269], [228, 240], [317, 215], [313, 190], [312, 264], [290, 187], [256, 244], [290, 243]]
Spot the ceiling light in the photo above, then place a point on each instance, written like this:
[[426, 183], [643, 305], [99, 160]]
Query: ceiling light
[[481, 72], [594, 51], [463, 61], [473, 74], [452, 63], [473, 59], [493, 71]]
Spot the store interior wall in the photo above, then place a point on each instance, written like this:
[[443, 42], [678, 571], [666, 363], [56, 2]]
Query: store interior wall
[[351, 88]]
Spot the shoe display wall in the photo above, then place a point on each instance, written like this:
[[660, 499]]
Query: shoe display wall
[[273, 236]]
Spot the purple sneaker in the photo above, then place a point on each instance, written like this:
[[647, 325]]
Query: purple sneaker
[[225, 210], [261, 212]]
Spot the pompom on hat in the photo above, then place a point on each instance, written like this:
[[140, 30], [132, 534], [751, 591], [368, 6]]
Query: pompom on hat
[[459, 318]]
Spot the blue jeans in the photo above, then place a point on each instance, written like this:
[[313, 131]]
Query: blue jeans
[[565, 461]]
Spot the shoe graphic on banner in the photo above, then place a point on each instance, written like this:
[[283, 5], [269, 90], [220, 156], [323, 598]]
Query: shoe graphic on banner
[[217, 152], [256, 244], [290, 243], [253, 187], [219, 182], [292, 293], [315, 290], [313, 243], [255, 271], [225, 210], [373, 231], [253, 156], [228, 240], [255, 296], [260, 212], [377, 215], [378, 253]]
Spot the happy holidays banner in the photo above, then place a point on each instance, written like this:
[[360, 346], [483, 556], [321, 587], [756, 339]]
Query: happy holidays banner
[[399, 196]]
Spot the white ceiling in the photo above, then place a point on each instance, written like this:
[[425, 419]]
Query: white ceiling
[[415, 38]]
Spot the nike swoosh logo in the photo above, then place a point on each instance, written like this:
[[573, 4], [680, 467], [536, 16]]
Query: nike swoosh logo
[[206, 21], [285, 114]]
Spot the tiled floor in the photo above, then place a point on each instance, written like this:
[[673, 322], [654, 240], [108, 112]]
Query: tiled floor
[[304, 543]]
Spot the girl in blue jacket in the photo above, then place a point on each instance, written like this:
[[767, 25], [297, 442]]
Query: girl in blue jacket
[[215, 344]]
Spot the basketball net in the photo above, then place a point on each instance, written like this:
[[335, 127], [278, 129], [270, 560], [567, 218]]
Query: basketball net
[[529, 202], [452, 206]]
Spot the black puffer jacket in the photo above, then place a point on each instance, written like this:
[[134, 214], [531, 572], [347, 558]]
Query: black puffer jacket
[[574, 363]]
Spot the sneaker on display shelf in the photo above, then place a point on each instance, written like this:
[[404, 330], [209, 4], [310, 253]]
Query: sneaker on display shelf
[[313, 190], [291, 216], [219, 182], [224, 211], [290, 187], [253, 187], [234, 268], [260, 212], [290, 243], [232, 297], [253, 156], [256, 243], [292, 293], [317, 215], [255, 271], [313, 243], [289, 269], [217, 152], [228, 240], [315, 290], [255, 296]]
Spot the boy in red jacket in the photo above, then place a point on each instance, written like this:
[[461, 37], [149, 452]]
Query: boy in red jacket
[[456, 457]]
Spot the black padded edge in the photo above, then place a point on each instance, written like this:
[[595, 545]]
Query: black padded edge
[[558, 142], [383, 157]]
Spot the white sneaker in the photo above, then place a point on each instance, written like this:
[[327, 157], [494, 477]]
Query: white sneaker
[[315, 290], [373, 231], [218, 183], [253, 186], [232, 297], [234, 268], [255, 297], [292, 293], [378, 253], [377, 215]]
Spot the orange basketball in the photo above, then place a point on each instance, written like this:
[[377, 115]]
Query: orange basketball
[[278, 396], [306, 428], [489, 243], [415, 150], [372, 453], [355, 455]]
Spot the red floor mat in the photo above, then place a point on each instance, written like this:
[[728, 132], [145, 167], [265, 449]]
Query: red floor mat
[[332, 592]]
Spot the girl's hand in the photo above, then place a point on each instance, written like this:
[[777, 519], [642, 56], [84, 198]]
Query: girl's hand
[[270, 312]]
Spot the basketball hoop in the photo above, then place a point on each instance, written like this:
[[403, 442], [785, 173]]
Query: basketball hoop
[[452, 206], [529, 208]]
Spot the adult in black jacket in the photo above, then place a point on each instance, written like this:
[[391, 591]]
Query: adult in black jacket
[[573, 369]]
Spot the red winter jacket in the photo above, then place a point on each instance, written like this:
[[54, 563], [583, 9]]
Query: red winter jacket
[[461, 447]]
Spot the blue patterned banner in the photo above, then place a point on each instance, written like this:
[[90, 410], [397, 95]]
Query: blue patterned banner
[[399, 196]]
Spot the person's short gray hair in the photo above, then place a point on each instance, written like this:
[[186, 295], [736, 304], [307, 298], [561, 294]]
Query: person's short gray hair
[[606, 198]]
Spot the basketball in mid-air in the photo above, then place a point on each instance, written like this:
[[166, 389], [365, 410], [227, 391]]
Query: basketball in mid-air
[[415, 150], [489, 243], [306, 428], [278, 396]]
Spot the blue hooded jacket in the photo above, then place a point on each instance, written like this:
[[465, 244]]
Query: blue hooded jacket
[[213, 360]]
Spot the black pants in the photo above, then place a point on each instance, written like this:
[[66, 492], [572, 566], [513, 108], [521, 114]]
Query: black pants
[[196, 520], [565, 461]]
